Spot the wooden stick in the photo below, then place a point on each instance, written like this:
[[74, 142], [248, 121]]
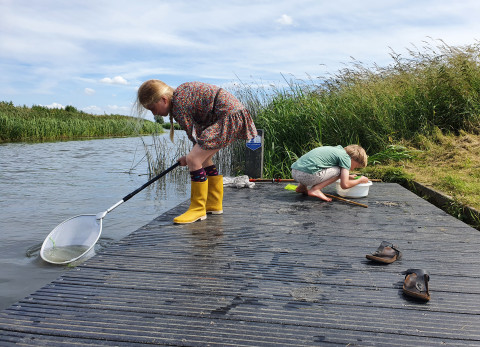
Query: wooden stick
[[342, 199], [292, 180]]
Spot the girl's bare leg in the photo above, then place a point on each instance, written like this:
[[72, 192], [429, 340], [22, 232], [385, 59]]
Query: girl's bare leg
[[209, 161], [316, 190], [198, 157]]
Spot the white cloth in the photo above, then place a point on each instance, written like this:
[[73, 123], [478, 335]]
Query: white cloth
[[238, 182]]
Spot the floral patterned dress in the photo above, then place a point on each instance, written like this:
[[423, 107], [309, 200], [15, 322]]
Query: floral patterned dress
[[211, 116]]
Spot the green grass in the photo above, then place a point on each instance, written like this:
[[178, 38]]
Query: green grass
[[391, 153], [43, 124], [376, 107], [449, 163]]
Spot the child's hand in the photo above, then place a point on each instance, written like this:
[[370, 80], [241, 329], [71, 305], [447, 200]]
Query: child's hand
[[183, 161], [363, 179]]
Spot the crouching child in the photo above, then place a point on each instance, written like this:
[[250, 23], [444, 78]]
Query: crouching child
[[324, 165]]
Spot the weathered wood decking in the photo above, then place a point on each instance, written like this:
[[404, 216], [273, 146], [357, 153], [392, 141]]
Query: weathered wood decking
[[277, 269]]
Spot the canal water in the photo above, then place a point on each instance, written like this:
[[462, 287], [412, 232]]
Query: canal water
[[43, 184]]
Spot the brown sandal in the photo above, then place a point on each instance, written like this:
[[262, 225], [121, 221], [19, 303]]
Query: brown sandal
[[416, 284], [386, 253]]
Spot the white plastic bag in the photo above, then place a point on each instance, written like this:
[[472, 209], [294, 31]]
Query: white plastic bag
[[238, 182]]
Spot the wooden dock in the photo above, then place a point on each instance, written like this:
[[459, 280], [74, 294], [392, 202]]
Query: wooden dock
[[277, 268]]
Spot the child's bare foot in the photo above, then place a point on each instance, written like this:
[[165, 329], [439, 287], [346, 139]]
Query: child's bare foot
[[318, 194], [301, 189]]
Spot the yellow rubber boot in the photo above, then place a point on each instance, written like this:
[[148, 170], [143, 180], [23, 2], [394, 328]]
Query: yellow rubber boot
[[215, 194], [198, 201]]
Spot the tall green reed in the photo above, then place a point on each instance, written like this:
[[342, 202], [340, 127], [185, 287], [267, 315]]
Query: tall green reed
[[161, 153], [433, 87]]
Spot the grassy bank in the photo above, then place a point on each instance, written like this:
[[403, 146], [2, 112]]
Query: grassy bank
[[21, 123], [449, 163]]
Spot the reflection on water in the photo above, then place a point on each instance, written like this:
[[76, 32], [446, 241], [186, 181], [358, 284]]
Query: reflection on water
[[43, 184]]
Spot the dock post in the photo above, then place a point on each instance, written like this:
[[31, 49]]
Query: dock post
[[254, 156]]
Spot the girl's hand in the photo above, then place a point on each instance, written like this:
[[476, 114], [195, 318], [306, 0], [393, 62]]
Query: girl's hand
[[183, 161]]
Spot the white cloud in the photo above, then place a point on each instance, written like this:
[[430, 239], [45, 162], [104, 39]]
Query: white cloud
[[54, 105], [115, 80], [119, 109], [89, 91], [285, 20], [51, 49], [110, 109]]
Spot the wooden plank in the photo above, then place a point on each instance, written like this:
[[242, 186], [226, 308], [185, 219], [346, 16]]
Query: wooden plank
[[296, 274]]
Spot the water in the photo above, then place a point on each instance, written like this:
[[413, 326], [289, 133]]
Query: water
[[43, 184], [64, 253]]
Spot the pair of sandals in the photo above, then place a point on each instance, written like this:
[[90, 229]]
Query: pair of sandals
[[416, 280]]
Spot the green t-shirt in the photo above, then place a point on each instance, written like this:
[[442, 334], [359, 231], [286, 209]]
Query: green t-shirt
[[321, 158]]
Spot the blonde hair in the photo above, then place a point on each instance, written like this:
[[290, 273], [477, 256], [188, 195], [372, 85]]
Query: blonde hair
[[358, 154], [150, 92]]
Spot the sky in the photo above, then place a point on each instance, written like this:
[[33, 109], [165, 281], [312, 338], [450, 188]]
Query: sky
[[94, 54]]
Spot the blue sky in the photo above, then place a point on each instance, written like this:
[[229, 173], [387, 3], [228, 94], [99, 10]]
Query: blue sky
[[93, 54]]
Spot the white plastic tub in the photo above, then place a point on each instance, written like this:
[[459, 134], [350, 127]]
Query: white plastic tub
[[359, 191]]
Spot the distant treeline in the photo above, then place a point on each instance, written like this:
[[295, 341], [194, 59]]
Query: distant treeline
[[39, 123]]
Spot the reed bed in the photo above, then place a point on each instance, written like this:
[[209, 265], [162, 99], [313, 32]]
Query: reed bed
[[161, 153], [43, 124], [435, 87]]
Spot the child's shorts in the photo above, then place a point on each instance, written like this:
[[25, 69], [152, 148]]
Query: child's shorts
[[318, 177]]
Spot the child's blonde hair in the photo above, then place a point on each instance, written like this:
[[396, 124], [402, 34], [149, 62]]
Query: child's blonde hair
[[149, 93], [358, 154]]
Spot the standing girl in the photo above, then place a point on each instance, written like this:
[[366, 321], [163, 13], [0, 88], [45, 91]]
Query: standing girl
[[212, 119]]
